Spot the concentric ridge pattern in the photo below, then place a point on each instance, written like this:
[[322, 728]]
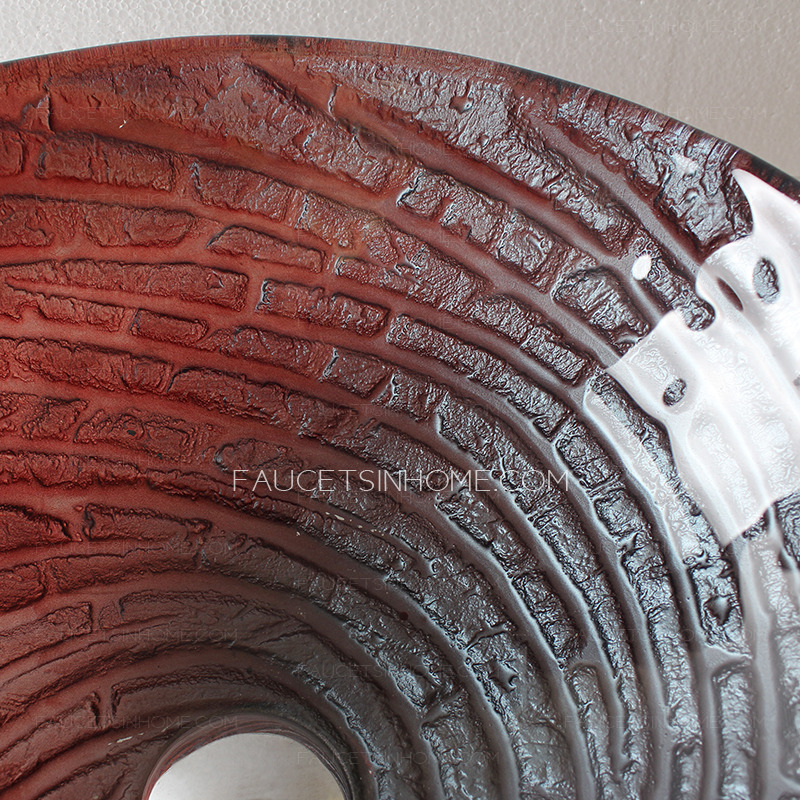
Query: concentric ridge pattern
[[233, 254]]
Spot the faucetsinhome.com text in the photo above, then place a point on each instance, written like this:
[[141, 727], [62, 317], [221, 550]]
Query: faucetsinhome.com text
[[314, 481]]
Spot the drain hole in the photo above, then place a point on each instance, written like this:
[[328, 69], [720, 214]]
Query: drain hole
[[234, 765]]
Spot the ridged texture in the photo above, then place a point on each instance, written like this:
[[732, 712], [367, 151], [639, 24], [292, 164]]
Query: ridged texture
[[237, 254]]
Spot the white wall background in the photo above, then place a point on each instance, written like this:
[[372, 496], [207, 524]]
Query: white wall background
[[726, 66]]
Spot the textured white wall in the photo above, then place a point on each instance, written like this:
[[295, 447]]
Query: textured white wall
[[726, 66]]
